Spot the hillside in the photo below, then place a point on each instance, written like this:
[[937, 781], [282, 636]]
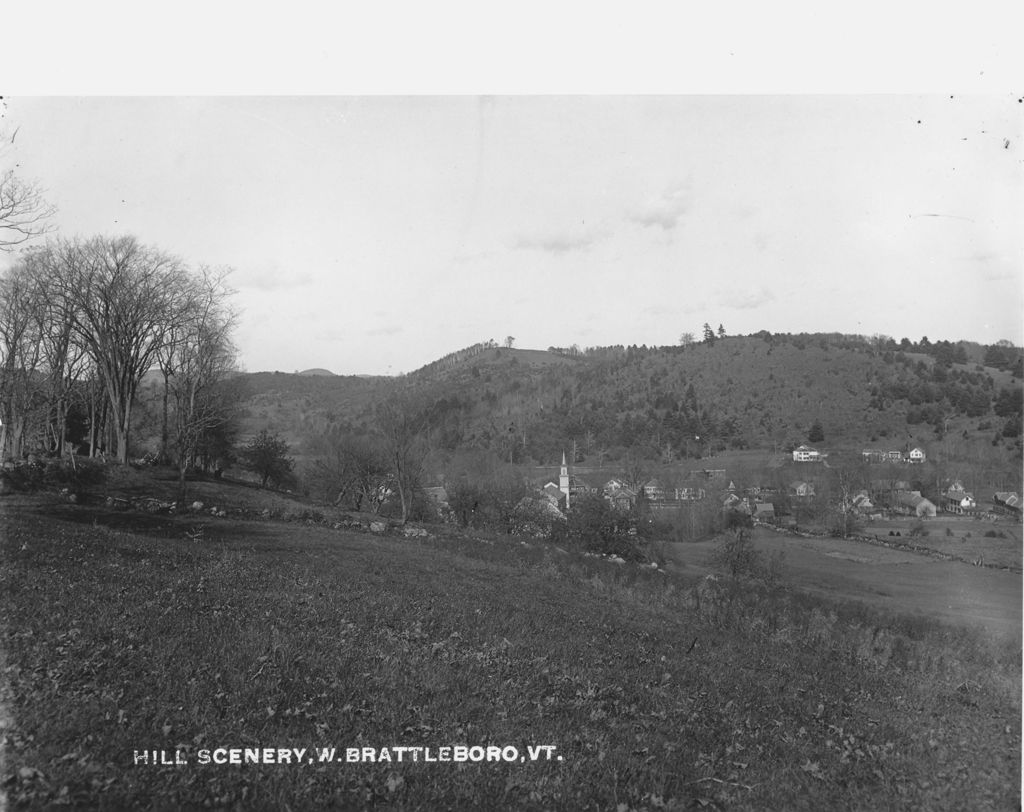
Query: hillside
[[189, 634], [674, 403]]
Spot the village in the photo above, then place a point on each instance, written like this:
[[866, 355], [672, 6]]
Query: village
[[765, 500]]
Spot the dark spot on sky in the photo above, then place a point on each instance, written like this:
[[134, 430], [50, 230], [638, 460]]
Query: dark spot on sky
[[919, 121]]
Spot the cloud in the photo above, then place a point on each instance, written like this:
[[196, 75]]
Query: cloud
[[666, 211], [555, 242], [745, 299], [387, 330], [673, 309], [332, 335], [273, 279]]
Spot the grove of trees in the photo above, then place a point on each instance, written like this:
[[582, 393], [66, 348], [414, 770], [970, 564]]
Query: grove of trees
[[83, 320]]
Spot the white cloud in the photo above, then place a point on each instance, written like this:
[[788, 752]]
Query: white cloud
[[666, 211]]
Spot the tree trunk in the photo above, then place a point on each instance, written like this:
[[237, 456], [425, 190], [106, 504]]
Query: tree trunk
[[182, 492], [122, 434], [163, 427]]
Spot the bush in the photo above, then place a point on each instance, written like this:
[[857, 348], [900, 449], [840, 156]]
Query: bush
[[35, 474], [736, 556], [594, 526]]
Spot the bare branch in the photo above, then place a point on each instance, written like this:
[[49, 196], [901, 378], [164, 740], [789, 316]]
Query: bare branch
[[23, 211]]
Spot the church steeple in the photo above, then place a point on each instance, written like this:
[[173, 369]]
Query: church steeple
[[563, 480]]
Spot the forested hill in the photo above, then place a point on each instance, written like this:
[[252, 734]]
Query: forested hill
[[763, 390]]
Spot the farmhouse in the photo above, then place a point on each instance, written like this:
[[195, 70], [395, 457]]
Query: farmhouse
[[1007, 502], [764, 511], [804, 490], [862, 502], [875, 455], [553, 494], [957, 500], [621, 497], [805, 453], [912, 502], [654, 490]]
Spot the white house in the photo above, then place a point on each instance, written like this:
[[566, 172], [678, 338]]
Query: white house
[[805, 453], [917, 455], [957, 500]]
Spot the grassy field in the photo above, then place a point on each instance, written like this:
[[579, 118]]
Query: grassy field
[[911, 584], [127, 632]]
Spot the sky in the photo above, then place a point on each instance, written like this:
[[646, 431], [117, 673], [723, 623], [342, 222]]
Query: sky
[[372, 233]]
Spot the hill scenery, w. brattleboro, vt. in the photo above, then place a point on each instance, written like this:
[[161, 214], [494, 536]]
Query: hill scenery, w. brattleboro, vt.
[[740, 569]]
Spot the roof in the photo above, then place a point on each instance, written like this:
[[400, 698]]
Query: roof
[[956, 491]]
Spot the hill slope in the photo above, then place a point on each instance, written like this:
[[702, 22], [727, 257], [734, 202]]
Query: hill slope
[[762, 391]]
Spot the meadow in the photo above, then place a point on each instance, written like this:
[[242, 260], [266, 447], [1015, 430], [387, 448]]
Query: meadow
[[128, 632]]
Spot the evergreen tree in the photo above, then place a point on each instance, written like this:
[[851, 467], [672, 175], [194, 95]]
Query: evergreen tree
[[817, 433]]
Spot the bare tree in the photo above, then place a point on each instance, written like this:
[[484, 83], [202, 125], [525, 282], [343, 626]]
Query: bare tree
[[121, 298], [402, 424], [350, 470], [19, 358], [24, 211], [200, 357]]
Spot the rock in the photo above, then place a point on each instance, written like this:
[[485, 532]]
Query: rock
[[197, 506], [378, 527], [414, 532]]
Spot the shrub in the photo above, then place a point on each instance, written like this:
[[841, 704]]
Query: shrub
[[595, 526], [266, 455], [736, 556]]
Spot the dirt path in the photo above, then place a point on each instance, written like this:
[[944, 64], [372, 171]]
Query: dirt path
[[894, 580]]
